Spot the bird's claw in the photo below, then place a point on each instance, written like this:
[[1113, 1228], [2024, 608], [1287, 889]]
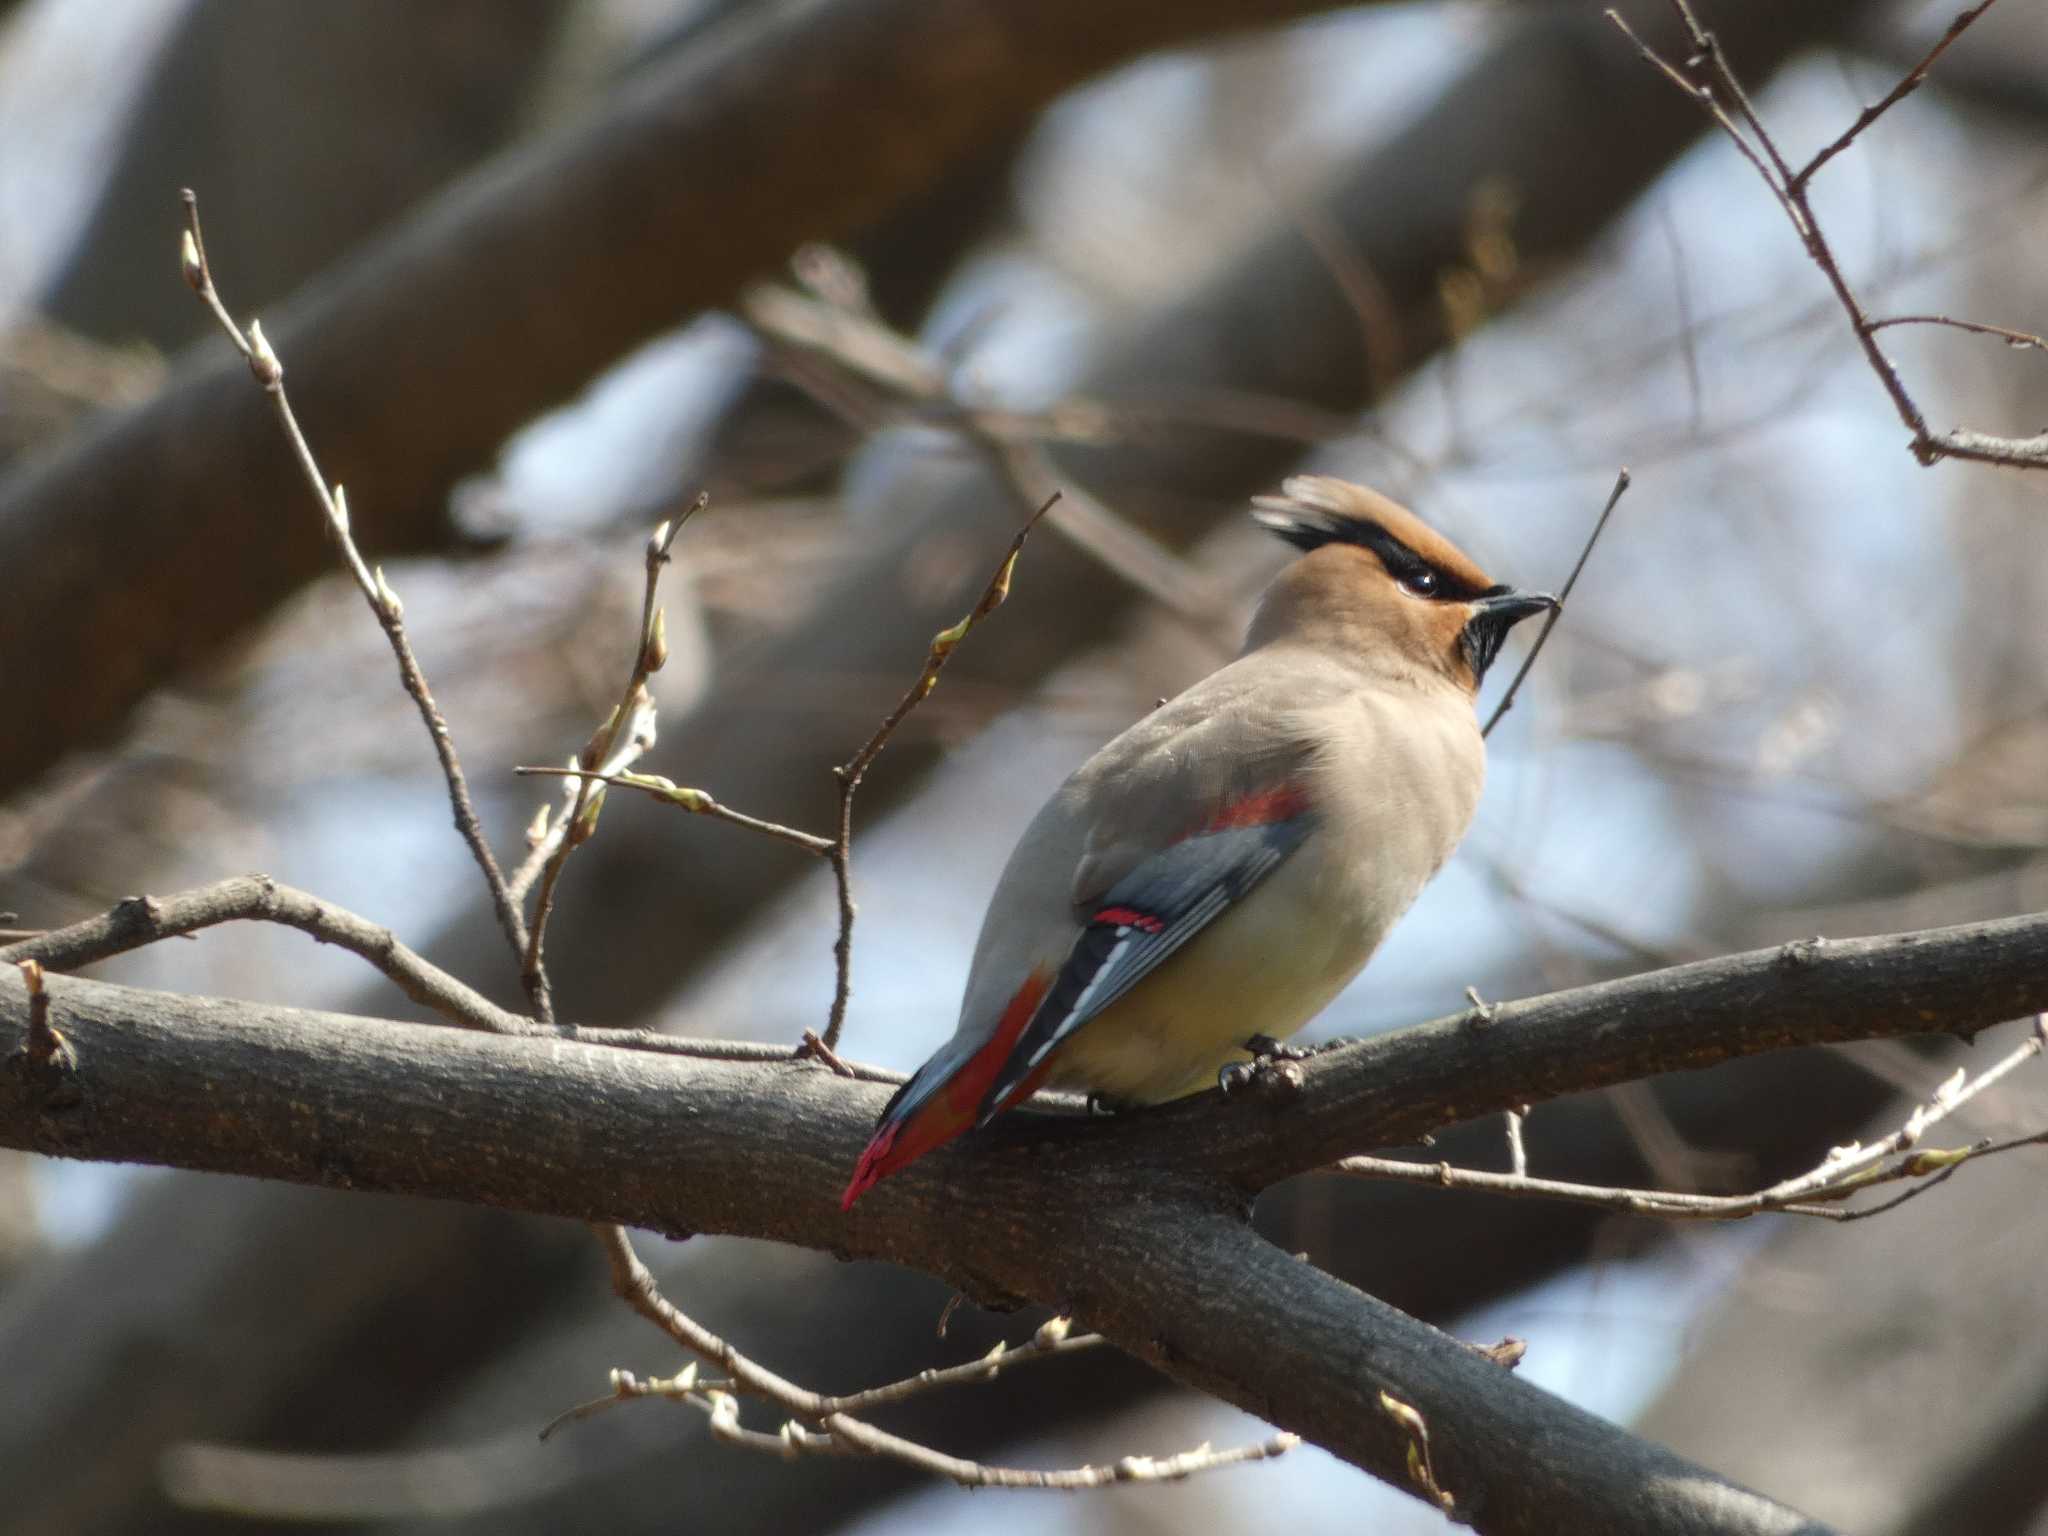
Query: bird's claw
[[1274, 1076], [1233, 1076], [1266, 1048]]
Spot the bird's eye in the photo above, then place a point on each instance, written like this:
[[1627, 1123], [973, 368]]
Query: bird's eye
[[1421, 583]]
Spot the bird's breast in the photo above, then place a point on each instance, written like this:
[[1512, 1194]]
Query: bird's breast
[[1392, 796]]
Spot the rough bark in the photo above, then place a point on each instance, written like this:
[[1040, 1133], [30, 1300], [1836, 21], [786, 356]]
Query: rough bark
[[1412, 1248], [1138, 1227]]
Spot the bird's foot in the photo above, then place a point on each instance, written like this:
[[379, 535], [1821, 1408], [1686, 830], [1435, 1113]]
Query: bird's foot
[[1266, 1048], [1100, 1103], [1272, 1072]]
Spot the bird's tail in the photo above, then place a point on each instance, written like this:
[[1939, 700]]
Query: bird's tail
[[945, 1096]]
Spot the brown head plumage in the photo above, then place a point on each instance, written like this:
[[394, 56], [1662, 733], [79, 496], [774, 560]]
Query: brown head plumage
[[1381, 583]]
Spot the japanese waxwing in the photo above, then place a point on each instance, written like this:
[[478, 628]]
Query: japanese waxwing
[[1222, 869]]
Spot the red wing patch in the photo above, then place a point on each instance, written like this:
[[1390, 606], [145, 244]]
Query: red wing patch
[[1128, 917], [1260, 809]]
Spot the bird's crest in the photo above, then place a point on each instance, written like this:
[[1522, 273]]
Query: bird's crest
[[1314, 510]]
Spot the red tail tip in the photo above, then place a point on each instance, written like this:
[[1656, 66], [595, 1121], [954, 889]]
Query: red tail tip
[[868, 1172]]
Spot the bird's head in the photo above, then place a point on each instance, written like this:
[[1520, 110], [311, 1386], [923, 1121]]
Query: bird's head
[[1380, 583]]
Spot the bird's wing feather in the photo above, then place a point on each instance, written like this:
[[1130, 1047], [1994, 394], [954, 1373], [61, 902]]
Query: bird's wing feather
[[1170, 896]]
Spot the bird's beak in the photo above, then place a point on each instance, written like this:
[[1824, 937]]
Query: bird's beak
[[1492, 617], [1504, 610]]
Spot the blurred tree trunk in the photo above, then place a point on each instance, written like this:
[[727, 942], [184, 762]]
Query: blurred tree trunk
[[261, 108], [495, 302]]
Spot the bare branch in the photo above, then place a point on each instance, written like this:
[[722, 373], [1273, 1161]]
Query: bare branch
[[268, 371], [854, 769], [144, 920], [1130, 1469], [550, 825], [580, 817], [1052, 1338], [1507, 700], [1910, 83], [1845, 1171], [832, 1430], [1706, 77], [632, 720], [2016, 339], [696, 802]]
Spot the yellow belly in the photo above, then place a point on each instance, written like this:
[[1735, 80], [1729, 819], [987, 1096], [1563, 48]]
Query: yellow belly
[[1265, 967]]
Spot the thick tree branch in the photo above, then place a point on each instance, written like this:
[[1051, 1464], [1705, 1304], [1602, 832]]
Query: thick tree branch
[[1133, 1227], [1154, 1257], [1397, 1087], [501, 298]]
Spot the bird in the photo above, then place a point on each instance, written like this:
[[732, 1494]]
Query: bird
[[1210, 879]]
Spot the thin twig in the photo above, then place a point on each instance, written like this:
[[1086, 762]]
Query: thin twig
[[1052, 1338], [813, 1045], [592, 777], [551, 824], [2017, 339], [1707, 50], [1421, 1465], [1949, 1168], [697, 802], [850, 773], [269, 372], [630, 720], [1713, 108], [1176, 584], [1912, 82], [821, 1425], [43, 1042], [1507, 700], [143, 920], [1707, 78], [1846, 1171], [1518, 1148], [701, 1048]]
